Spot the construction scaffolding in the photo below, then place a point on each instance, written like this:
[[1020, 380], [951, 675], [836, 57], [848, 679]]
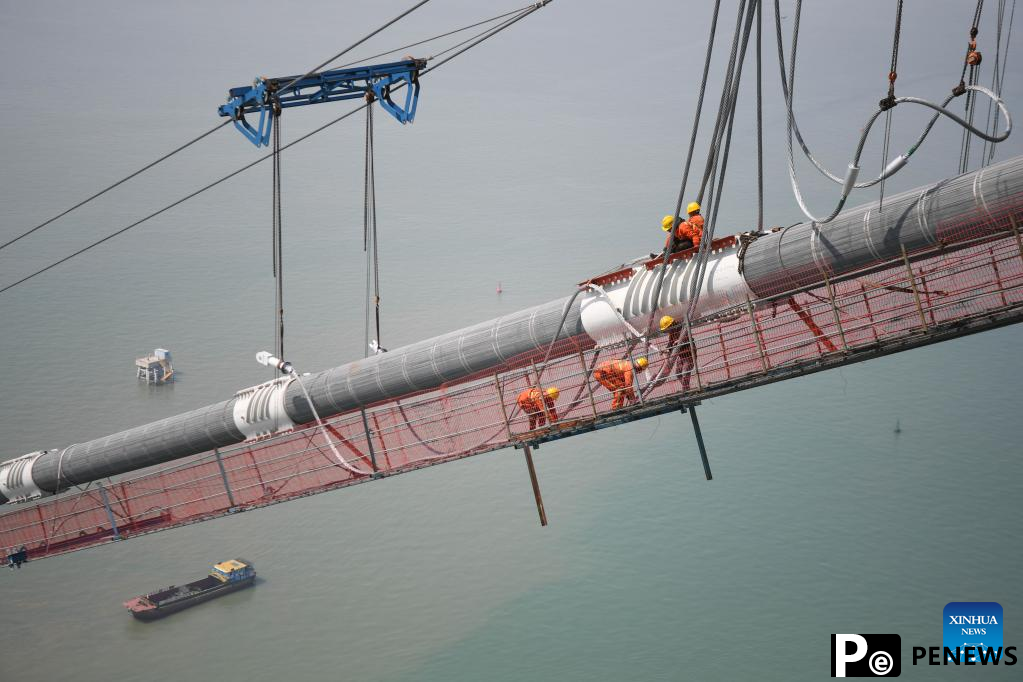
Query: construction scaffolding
[[920, 298]]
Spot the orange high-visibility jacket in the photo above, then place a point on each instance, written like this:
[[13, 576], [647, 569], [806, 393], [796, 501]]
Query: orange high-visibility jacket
[[614, 374], [691, 229], [533, 400]]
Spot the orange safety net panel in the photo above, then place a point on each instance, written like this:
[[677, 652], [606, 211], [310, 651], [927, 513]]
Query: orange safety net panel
[[875, 310]]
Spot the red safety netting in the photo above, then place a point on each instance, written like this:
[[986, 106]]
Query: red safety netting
[[902, 303]]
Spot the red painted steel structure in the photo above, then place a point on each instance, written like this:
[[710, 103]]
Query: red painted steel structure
[[923, 298]]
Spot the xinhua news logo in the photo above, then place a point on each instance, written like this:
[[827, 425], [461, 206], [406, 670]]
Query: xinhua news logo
[[971, 635], [866, 655], [973, 626]]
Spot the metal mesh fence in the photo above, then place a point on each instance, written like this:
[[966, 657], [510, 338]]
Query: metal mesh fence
[[923, 298]]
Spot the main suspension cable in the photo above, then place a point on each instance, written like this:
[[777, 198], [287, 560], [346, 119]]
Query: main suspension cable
[[481, 37]]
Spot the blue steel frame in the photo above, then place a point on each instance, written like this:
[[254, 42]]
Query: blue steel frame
[[327, 86]]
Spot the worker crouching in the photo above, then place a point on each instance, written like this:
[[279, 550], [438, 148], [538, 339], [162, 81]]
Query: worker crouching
[[617, 377], [539, 405], [687, 234]]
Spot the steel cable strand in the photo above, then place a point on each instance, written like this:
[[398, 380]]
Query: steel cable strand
[[964, 148], [123, 180], [436, 37], [717, 155], [887, 104], [900, 161], [760, 120], [727, 96], [354, 45], [203, 135], [479, 38], [1004, 59], [849, 182], [706, 241], [689, 154], [795, 126], [995, 85]]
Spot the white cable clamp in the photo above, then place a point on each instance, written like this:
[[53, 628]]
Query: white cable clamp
[[895, 166], [16, 483], [259, 410], [850, 179]]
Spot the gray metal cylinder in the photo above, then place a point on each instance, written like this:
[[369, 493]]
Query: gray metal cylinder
[[971, 206]]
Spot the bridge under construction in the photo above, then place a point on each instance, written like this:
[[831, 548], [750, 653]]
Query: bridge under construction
[[747, 309], [938, 263]]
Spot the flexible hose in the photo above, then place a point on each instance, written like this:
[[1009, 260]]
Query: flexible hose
[[849, 182], [326, 434]]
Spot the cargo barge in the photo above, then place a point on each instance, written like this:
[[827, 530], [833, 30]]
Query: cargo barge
[[227, 576]]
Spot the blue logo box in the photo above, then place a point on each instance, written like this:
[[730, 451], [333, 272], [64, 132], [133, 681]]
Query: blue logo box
[[972, 624]]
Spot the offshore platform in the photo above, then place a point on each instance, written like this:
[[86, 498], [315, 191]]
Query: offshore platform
[[766, 305]]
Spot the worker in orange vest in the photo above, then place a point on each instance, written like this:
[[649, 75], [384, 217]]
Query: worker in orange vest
[[539, 405], [680, 355], [688, 233], [616, 376]]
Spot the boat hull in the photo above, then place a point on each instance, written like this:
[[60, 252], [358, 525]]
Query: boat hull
[[165, 610]]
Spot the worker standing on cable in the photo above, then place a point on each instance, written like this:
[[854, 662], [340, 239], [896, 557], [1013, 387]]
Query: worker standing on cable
[[680, 351], [539, 405], [688, 233], [616, 376]]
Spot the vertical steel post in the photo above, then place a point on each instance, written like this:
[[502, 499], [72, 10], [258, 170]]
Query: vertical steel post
[[223, 477], [543, 394], [756, 334], [691, 340], [699, 442], [724, 353], [1015, 231], [536, 485], [927, 296], [42, 526], [369, 440], [635, 374], [586, 380], [998, 276], [110, 512], [912, 285], [834, 310], [870, 313], [500, 399]]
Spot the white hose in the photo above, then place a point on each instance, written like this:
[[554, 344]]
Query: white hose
[[849, 182], [326, 434]]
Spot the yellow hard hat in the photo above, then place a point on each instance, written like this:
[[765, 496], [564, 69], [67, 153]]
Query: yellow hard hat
[[667, 222], [666, 322], [553, 392], [641, 363], [693, 207]]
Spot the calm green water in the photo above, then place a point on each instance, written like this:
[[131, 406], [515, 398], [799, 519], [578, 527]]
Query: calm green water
[[537, 160]]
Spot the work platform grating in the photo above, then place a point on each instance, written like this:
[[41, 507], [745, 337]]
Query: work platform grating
[[924, 298]]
